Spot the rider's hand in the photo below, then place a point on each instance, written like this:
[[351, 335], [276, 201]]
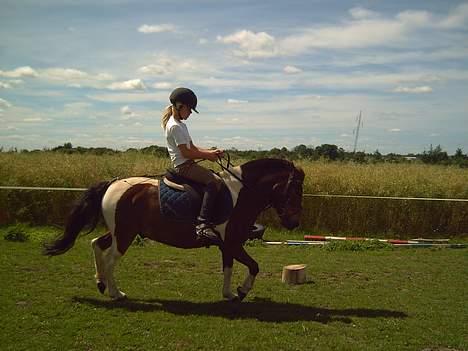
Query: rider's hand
[[213, 155]]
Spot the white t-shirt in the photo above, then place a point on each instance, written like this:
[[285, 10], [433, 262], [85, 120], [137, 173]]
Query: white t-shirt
[[177, 134]]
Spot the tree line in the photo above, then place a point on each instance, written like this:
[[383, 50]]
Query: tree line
[[328, 152]]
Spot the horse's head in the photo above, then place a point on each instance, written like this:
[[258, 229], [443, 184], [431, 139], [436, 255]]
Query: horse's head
[[287, 198], [278, 184]]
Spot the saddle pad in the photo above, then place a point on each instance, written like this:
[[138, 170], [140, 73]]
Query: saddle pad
[[185, 205]]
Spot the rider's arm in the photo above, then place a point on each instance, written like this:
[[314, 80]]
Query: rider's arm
[[217, 151], [194, 152]]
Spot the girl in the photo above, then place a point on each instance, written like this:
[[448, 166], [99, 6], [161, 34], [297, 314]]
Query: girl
[[183, 153]]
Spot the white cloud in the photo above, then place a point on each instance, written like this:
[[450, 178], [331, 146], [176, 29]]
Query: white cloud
[[362, 13], [104, 76], [162, 85], [19, 72], [164, 64], [63, 74], [76, 108], [291, 70], [36, 119], [9, 128], [413, 19], [4, 103], [75, 78], [252, 45], [4, 85], [394, 130], [457, 18], [413, 90], [133, 84], [365, 29], [129, 97], [357, 34], [125, 110], [154, 69], [137, 124], [158, 28], [127, 113], [234, 101]]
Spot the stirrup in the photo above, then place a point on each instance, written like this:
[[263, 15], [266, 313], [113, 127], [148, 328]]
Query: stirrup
[[207, 235]]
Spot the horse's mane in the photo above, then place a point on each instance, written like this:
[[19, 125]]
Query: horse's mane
[[261, 166]]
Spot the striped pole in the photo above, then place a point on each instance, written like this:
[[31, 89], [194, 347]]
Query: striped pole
[[419, 242], [391, 241], [323, 242]]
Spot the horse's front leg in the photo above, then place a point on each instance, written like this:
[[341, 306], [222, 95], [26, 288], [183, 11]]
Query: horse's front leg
[[243, 257], [228, 262]]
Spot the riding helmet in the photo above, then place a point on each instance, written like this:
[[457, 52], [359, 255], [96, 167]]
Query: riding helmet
[[185, 96]]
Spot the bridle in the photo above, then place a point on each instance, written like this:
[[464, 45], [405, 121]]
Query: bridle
[[292, 181]]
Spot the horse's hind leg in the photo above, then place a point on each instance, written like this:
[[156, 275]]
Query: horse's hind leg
[[121, 240], [100, 246]]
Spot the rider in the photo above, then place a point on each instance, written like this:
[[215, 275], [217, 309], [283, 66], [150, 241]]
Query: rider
[[183, 152]]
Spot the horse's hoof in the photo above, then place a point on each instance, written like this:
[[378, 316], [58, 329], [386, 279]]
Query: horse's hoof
[[121, 297], [101, 286], [235, 300], [241, 294]]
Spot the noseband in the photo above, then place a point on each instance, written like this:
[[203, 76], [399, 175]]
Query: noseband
[[292, 181]]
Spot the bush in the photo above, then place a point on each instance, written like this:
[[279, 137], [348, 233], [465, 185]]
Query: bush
[[357, 245], [17, 233]]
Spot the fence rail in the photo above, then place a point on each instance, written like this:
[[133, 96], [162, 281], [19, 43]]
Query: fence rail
[[305, 195]]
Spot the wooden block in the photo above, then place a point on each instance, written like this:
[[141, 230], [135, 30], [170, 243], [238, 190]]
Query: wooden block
[[294, 274]]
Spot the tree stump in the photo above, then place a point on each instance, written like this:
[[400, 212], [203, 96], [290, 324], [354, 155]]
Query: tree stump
[[294, 274]]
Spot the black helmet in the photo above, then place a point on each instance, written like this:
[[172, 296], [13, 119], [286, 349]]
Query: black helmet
[[185, 96]]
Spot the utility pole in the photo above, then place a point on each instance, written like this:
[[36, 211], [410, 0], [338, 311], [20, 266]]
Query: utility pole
[[359, 124]]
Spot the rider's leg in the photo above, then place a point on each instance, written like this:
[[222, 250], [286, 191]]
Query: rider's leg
[[208, 203], [212, 184]]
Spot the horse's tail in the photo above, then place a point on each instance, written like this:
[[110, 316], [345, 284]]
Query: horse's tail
[[86, 213]]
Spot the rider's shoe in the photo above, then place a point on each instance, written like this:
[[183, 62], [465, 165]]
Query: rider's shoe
[[207, 235]]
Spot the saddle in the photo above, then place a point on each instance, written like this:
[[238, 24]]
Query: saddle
[[181, 199]]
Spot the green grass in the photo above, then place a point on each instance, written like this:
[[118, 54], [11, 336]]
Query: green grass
[[401, 299]]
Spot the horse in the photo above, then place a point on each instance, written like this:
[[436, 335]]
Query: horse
[[132, 207]]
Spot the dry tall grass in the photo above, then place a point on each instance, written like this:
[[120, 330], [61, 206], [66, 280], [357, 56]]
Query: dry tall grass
[[385, 217]]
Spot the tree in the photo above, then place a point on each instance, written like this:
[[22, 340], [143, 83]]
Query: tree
[[434, 156], [328, 150]]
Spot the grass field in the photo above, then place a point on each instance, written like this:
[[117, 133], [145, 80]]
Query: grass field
[[383, 299], [383, 218]]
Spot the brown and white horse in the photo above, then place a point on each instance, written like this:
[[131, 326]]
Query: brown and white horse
[[131, 206]]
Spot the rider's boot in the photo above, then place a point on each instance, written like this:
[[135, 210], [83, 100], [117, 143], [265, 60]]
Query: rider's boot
[[206, 234]]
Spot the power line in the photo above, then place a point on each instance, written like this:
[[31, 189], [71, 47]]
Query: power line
[[359, 124]]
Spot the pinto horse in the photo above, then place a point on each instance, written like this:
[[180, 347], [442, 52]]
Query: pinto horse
[[132, 206]]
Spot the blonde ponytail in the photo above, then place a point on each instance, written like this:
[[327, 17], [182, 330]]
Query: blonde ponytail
[[169, 111], [166, 115]]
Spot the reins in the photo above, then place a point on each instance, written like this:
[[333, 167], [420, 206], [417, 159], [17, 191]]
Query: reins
[[219, 161]]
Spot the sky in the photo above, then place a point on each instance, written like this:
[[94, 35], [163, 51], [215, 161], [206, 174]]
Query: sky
[[267, 73]]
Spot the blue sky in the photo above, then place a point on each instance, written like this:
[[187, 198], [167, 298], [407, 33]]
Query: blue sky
[[267, 73]]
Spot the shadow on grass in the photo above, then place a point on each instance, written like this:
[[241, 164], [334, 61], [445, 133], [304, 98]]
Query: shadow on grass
[[260, 309]]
